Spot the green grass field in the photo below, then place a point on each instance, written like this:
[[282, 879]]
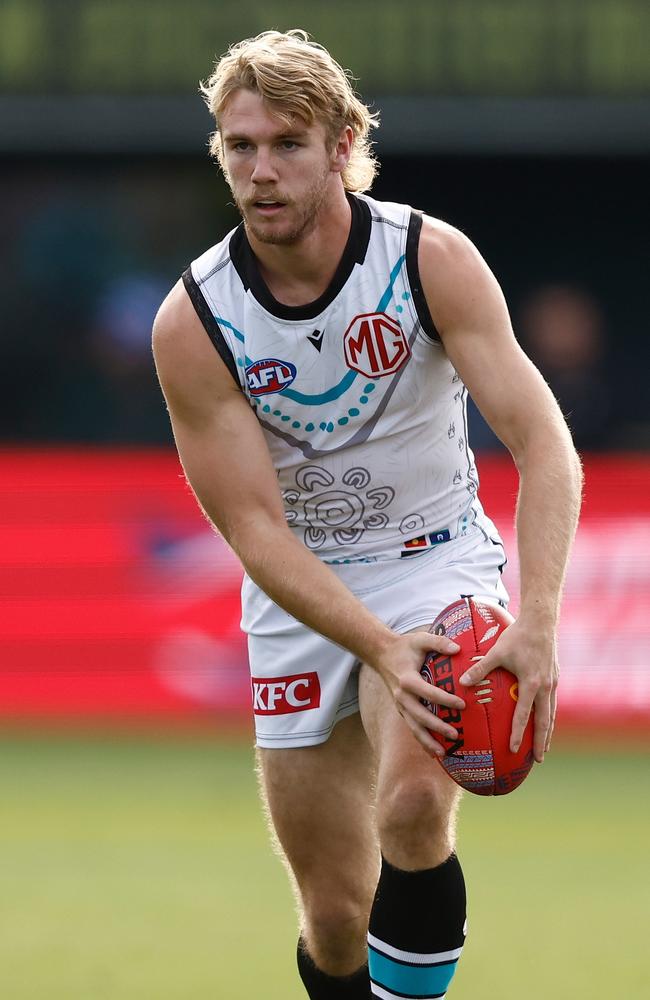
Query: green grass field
[[137, 868]]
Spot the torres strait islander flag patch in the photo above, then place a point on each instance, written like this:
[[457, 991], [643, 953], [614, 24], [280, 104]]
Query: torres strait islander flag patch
[[415, 545]]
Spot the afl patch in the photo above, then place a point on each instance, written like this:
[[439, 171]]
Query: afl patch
[[269, 375]]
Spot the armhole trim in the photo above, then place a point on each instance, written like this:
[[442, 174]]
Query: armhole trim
[[413, 271], [210, 324]]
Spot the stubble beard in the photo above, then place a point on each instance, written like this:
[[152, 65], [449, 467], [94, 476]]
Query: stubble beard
[[308, 210]]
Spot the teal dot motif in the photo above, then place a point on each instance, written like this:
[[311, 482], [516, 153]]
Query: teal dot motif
[[406, 296], [240, 362], [325, 425], [399, 309]]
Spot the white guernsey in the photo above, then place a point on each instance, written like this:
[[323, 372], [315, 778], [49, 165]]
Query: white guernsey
[[364, 414]]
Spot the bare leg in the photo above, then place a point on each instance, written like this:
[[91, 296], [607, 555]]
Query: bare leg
[[417, 922], [320, 803], [416, 801], [321, 806]]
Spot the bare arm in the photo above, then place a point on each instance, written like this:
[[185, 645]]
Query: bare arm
[[470, 313], [229, 468]]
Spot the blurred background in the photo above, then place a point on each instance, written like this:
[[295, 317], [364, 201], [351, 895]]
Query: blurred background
[[134, 854]]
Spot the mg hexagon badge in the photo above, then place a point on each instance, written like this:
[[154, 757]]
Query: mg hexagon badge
[[375, 345]]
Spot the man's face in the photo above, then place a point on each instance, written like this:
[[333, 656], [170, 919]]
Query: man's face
[[279, 175]]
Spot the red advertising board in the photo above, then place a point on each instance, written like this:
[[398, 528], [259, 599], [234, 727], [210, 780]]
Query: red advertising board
[[118, 600]]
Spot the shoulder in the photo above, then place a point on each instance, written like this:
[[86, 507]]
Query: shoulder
[[456, 280], [190, 371], [386, 214], [444, 246], [212, 260], [176, 321]]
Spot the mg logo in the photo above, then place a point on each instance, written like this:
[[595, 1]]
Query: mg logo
[[284, 695], [375, 345]]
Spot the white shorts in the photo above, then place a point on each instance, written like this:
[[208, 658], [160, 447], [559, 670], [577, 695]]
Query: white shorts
[[303, 684]]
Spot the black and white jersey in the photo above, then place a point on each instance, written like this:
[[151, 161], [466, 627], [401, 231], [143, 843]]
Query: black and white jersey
[[363, 413]]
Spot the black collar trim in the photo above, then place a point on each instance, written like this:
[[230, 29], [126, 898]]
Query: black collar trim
[[355, 250]]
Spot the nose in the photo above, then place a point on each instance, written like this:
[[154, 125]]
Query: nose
[[264, 171]]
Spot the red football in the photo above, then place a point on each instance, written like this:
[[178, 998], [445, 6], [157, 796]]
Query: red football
[[480, 759]]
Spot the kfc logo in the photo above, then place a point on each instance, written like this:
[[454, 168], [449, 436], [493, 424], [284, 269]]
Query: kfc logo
[[284, 695], [375, 345]]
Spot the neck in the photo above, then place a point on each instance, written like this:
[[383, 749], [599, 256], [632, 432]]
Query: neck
[[298, 273]]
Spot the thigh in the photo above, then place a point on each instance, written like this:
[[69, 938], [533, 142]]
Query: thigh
[[409, 783], [416, 801], [320, 803], [303, 685], [397, 753]]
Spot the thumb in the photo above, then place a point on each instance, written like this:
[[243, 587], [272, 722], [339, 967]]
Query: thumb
[[479, 671]]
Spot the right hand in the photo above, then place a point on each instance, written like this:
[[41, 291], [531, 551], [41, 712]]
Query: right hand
[[399, 666]]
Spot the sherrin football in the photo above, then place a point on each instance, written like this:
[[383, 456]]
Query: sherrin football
[[480, 760]]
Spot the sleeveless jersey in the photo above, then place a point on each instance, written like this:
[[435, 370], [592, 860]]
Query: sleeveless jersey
[[363, 413]]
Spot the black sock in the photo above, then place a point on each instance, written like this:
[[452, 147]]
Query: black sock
[[417, 930], [321, 986]]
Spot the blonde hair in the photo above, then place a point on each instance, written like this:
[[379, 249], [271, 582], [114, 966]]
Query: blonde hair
[[296, 77]]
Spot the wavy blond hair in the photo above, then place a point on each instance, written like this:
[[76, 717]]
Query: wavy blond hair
[[296, 77]]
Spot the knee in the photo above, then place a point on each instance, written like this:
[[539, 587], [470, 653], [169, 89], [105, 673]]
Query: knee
[[335, 917], [335, 929], [416, 815]]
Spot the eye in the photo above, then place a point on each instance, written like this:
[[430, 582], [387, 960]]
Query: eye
[[289, 144], [241, 146]]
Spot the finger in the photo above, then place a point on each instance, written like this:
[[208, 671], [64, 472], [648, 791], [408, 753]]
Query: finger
[[551, 728], [481, 668], [432, 647], [424, 737], [542, 723], [425, 717], [421, 688], [430, 643], [520, 717]]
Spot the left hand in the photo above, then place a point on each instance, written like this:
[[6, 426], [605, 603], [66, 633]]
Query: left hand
[[529, 652]]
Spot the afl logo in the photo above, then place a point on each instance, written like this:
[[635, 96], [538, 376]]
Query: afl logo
[[269, 375], [375, 345]]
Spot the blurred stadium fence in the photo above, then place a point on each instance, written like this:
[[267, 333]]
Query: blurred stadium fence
[[491, 75], [120, 602]]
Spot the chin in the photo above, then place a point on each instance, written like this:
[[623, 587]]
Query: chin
[[277, 238], [280, 235]]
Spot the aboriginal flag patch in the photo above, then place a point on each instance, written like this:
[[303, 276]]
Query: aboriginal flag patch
[[415, 545]]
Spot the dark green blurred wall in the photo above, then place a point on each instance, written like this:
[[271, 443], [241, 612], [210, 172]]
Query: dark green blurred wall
[[517, 47]]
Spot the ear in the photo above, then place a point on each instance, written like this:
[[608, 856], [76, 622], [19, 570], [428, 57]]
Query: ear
[[342, 150]]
